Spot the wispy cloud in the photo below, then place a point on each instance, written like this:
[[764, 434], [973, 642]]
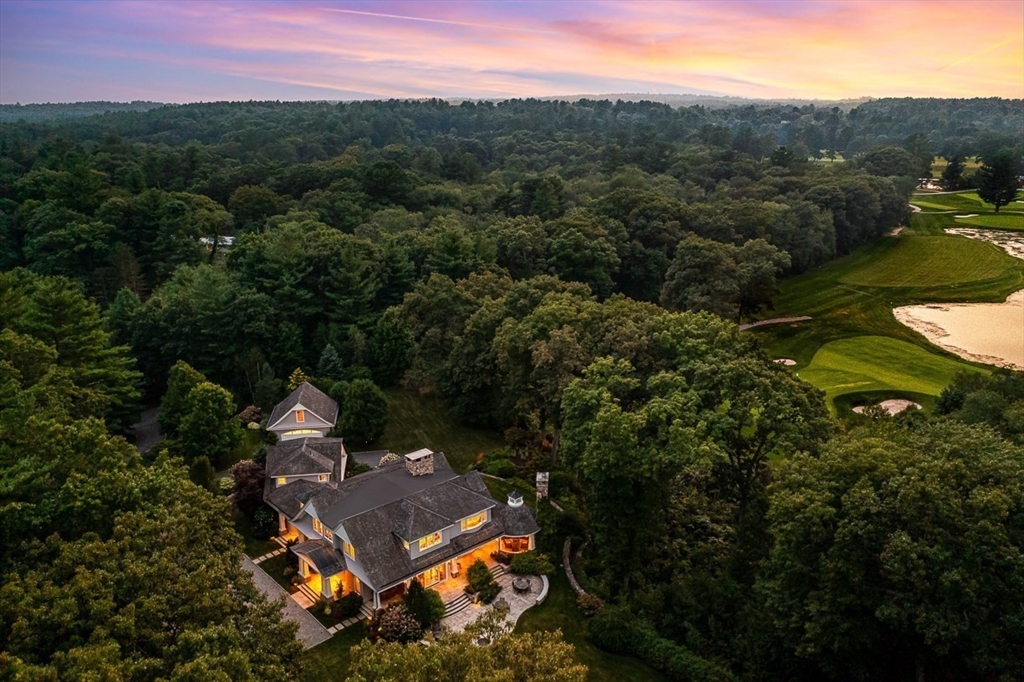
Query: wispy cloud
[[277, 49]]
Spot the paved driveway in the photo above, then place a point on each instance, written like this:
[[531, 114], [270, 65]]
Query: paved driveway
[[311, 632]]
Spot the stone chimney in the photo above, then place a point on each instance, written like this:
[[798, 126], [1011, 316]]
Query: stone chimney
[[515, 499], [420, 463]]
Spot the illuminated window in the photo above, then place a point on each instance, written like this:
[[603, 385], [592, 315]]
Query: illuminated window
[[282, 481], [430, 540], [301, 432], [300, 416], [349, 549], [474, 521], [405, 543], [323, 477]]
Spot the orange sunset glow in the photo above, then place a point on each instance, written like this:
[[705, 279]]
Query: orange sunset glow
[[188, 51]]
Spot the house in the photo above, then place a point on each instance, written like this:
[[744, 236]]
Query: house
[[307, 412], [374, 533]]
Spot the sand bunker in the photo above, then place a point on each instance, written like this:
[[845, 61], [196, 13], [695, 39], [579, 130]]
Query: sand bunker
[[893, 407], [895, 232], [992, 333], [788, 362], [1011, 242]]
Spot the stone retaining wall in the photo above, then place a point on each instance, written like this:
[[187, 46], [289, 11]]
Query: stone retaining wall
[[566, 556]]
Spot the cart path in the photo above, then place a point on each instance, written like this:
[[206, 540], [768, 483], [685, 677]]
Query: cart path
[[776, 320]]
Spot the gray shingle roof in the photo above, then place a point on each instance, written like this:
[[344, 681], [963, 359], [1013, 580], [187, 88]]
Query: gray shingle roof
[[322, 555], [304, 456], [515, 520], [377, 488], [440, 506], [288, 499], [310, 397]]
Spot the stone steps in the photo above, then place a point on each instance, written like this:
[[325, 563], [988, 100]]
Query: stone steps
[[457, 604], [313, 596], [366, 611]]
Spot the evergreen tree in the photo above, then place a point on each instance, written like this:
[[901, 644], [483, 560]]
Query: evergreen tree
[[330, 365], [296, 378]]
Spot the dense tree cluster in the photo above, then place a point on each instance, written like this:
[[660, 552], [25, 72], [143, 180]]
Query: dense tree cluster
[[567, 273], [109, 568]]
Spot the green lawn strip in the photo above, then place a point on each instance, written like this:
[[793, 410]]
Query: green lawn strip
[[996, 221], [559, 612], [330, 661], [250, 443], [274, 567], [922, 262], [939, 165], [967, 201], [877, 363], [500, 488], [253, 547], [416, 422]]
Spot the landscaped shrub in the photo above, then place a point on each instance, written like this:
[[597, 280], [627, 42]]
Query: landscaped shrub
[[479, 576], [589, 604], [502, 557], [616, 629], [531, 563], [426, 605], [489, 593], [264, 523], [503, 468], [397, 624], [347, 606], [250, 415]]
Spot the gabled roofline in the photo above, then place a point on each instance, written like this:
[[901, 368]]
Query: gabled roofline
[[298, 406]]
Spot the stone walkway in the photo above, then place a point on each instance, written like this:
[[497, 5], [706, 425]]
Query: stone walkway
[[518, 603], [311, 632], [276, 552]]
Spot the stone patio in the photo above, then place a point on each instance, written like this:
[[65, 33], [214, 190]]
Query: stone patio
[[518, 603]]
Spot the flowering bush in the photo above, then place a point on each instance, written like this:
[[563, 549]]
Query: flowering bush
[[250, 415], [589, 604], [397, 624]]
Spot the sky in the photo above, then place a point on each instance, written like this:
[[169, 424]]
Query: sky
[[170, 51]]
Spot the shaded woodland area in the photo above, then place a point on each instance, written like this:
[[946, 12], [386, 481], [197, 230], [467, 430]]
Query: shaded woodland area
[[567, 274]]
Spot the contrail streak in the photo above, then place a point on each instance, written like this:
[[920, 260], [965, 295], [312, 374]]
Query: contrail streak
[[515, 29]]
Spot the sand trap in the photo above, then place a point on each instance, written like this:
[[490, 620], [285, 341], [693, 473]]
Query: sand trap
[[788, 362], [1010, 242], [992, 333], [894, 232], [893, 407]]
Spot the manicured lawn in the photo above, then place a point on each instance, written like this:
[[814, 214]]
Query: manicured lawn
[[329, 662], [998, 221], [500, 489], [965, 202], [250, 443], [416, 422], [878, 363], [274, 567], [854, 297], [559, 612], [940, 163], [932, 261]]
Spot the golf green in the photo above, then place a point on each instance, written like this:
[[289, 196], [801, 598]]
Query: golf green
[[932, 261], [879, 363]]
